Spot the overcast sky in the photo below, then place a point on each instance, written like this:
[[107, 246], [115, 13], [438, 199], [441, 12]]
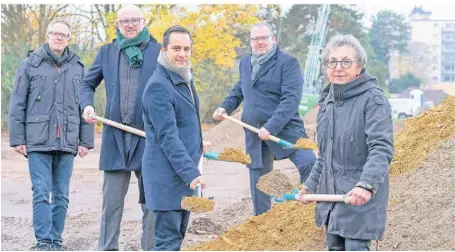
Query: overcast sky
[[439, 11]]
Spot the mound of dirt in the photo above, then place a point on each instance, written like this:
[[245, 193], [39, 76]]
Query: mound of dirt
[[290, 225], [421, 135], [421, 206]]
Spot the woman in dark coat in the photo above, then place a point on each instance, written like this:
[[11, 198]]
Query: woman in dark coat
[[355, 137]]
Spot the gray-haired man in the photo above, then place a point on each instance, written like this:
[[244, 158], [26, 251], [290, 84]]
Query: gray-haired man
[[45, 125]]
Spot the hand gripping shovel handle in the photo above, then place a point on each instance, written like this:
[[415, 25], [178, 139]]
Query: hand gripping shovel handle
[[119, 125], [284, 144]]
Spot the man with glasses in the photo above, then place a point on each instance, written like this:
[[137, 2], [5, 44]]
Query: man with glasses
[[45, 125], [270, 86], [125, 65]]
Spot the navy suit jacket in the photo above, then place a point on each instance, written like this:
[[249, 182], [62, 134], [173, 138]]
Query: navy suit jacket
[[174, 140], [270, 101]]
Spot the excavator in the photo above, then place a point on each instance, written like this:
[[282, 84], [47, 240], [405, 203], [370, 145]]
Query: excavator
[[312, 78]]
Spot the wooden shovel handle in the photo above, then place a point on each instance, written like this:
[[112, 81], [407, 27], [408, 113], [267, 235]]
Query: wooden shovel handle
[[327, 198], [273, 138], [119, 125]]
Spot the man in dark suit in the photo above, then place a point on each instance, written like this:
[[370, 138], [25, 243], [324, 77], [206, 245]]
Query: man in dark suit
[[270, 86], [125, 65], [170, 110]]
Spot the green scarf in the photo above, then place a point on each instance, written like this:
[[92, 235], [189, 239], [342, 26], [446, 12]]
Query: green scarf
[[131, 46]]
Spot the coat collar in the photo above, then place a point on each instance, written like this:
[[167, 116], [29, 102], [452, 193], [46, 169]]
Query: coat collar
[[37, 56], [173, 76], [267, 65]]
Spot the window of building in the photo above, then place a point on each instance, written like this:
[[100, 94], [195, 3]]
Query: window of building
[[448, 57], [449, 67], [448, 46]]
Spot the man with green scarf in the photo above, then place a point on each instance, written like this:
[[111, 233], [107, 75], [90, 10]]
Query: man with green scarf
[[125, 65]]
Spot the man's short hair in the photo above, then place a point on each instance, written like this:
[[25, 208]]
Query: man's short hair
[[58, 21], [170, 30], [263, 24]]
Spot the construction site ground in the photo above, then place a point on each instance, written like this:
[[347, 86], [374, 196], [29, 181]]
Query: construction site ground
[[421, 210]]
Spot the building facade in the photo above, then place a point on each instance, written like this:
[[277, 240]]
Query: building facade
[[439, 36]]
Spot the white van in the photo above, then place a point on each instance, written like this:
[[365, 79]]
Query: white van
[[403, 108]]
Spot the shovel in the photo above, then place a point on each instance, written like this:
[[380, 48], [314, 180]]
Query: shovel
[[302, 143], [198, 203], [279, 185], [294, 195]]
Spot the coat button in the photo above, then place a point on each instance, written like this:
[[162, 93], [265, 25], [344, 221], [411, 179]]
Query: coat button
[[55, 125], [55, 81], [39, 97]]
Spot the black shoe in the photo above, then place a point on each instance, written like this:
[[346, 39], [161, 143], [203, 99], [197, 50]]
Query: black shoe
[[61, 247], [43, 247]]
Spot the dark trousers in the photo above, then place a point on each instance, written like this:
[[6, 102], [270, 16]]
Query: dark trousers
[[338, 243], [170, 229]]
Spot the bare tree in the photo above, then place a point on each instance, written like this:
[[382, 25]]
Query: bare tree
[[16, 31], [43, 14]]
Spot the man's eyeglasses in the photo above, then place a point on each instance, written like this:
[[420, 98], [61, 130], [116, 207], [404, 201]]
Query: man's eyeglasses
[[345, 64], [58, 35], [133, 21], [262, 38]]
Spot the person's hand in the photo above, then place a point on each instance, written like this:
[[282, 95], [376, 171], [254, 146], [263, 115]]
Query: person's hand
[[218, 114], [359, 196], [88, 112], [264, 134], [197, 180], [300, 198], [21, 149], [83, 151], [205, 144]]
